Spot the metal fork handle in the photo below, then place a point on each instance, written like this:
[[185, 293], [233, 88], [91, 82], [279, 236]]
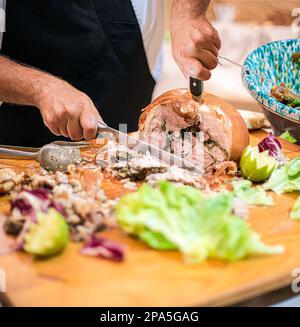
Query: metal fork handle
[[20, 148], [16, 154], [79, 144]]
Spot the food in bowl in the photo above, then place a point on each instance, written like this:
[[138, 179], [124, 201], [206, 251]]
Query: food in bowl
[[278, 62], [284, 94], [296, 58]]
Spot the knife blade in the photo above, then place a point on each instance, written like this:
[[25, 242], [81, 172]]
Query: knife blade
[[196, 88], [144, 147]]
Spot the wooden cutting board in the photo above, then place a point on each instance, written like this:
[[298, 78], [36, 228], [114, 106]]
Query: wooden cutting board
[[153, 278]]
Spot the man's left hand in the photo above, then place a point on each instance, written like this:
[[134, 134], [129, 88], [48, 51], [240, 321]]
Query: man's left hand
[[195, 42]]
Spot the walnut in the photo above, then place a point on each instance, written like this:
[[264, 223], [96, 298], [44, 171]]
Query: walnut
[[9, 179], [38, 181]]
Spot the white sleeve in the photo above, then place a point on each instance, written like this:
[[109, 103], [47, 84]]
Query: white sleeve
[[2, 19], [150, 15]]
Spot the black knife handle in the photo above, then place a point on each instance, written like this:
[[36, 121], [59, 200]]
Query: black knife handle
[[196, 87]]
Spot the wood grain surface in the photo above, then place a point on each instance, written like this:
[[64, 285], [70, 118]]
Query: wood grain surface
[[153, 278]]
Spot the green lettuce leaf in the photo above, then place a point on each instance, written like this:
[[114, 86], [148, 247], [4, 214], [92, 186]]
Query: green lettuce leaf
[[251, 195], [170, 217], [288, 137], [295, 212], [285, 179], [296, 102]]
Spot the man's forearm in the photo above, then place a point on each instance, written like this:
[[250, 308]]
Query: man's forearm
[[64, 109], [192, 7], [20, 84]]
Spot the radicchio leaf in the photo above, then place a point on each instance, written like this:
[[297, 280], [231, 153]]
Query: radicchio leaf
[[28, 202], [271, 144], [101, 247], [58, 207], [41, 193], [23, 206]]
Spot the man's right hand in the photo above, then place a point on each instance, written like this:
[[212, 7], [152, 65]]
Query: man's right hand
[[67, 111]]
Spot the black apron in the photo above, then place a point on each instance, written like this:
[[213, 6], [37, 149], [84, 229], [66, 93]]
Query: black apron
[[96, 45]]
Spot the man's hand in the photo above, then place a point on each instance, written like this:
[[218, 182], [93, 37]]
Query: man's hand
[[67, 111], [195, 42]]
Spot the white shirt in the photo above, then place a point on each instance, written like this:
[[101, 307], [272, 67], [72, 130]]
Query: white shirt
[[150, 15], [2, 19]]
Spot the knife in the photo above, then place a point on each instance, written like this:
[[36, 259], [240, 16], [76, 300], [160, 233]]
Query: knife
[[144, 147], [248, 71], [196, 88]]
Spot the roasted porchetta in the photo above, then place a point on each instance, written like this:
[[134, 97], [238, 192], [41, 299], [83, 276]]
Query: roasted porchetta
[[175, 113], [165, 123]]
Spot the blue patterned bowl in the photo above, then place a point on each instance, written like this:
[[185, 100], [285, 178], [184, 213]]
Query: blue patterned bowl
[[273, 60]]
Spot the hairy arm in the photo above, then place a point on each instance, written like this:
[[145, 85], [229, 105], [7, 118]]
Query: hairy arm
[[65, 110], [192, 7], [195, 42], [20, 84]]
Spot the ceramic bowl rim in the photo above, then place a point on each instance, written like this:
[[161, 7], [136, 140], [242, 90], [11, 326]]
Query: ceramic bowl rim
[[261, 97]]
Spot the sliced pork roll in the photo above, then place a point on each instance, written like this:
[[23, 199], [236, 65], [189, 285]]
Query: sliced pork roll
[[176, 115]]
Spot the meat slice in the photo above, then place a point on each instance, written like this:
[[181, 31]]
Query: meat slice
[[206, 133]]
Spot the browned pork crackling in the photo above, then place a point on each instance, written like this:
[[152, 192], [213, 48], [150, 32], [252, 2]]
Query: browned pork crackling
[[176, 112]]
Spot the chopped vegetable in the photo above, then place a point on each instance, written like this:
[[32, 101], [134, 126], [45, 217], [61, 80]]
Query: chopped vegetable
[[283, 94], [295, 212], [47, 236], [296, 58], [293, 167], [257, 166], [286, 178], [101, 247], [255, 196], [288, 137], [273, 146], [41, 193], [29, 202], [295, 103], [170, 217]]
